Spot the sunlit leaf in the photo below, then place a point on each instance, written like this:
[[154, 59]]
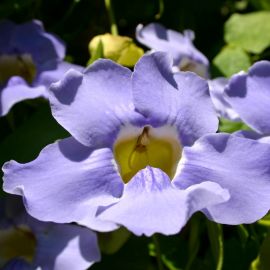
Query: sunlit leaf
[[250, 32], [231, 60], [228, 126]]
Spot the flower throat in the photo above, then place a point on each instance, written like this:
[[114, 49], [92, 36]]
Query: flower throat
[[156, 147]]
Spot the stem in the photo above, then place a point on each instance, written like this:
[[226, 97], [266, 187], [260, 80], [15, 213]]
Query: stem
[[216, 239], [158, 252], [114, 29], [221, 248], [161, 9]]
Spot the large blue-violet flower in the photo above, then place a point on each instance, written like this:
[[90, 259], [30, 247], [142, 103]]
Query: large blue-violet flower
[[143, 154], [180, 46], [28, 244], [30, 60]]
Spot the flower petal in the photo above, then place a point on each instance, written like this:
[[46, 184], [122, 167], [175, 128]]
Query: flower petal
[[150, 204], [17, 90], [249, 95], [240, 165], [222, 106], [93, 106], [157, 37], [53, 71], [66, 182], [6, 29], [180, 99], [66, 247], [31, 38]]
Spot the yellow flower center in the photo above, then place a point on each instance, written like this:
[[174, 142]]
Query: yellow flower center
[[17, 242], [156, 147], [17, 65]]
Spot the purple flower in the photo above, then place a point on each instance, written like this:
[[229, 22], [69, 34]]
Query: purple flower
[[30, 60], [180, 46], [218, 96], [143, 154], [28, 244], [249, 95]]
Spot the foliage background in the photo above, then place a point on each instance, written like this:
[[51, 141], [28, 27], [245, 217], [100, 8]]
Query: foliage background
[[30, 126]]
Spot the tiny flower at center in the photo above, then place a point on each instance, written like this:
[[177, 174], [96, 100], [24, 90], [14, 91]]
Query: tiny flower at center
[[137, 148], [17, 65], [17, 242]]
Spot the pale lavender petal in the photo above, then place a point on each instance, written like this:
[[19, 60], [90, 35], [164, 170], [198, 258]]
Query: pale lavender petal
[[181, 99], [66, 247], [66, 182], [53, 71], [18, 90], [222, 106], [249, 95], [150, 204], [237, 164], [94, 105], [180, 46], [252, 135]]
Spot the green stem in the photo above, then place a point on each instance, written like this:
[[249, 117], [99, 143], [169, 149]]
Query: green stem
[[161, 9], [114, 29], [215, 232], [158, 252], [221, 248]]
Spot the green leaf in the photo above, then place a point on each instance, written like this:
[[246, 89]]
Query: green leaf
[[262, 262], [261, 4], [228, 126], [250, 32], [231, 60], [265, 221], [27, 141]]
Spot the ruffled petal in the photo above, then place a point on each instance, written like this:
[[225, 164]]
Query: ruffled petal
[[66, 182], [151, 204], [18, 90], [237, 164], [179, 46], [222, 106], [94, 105], [54, 71], [249, 95], [180, 99], [66, 247], [31, 38]]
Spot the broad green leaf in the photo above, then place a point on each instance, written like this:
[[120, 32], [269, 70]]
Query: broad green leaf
[[231, 60], [250, 32], [262, 262], [120, 49], [27, 141]]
